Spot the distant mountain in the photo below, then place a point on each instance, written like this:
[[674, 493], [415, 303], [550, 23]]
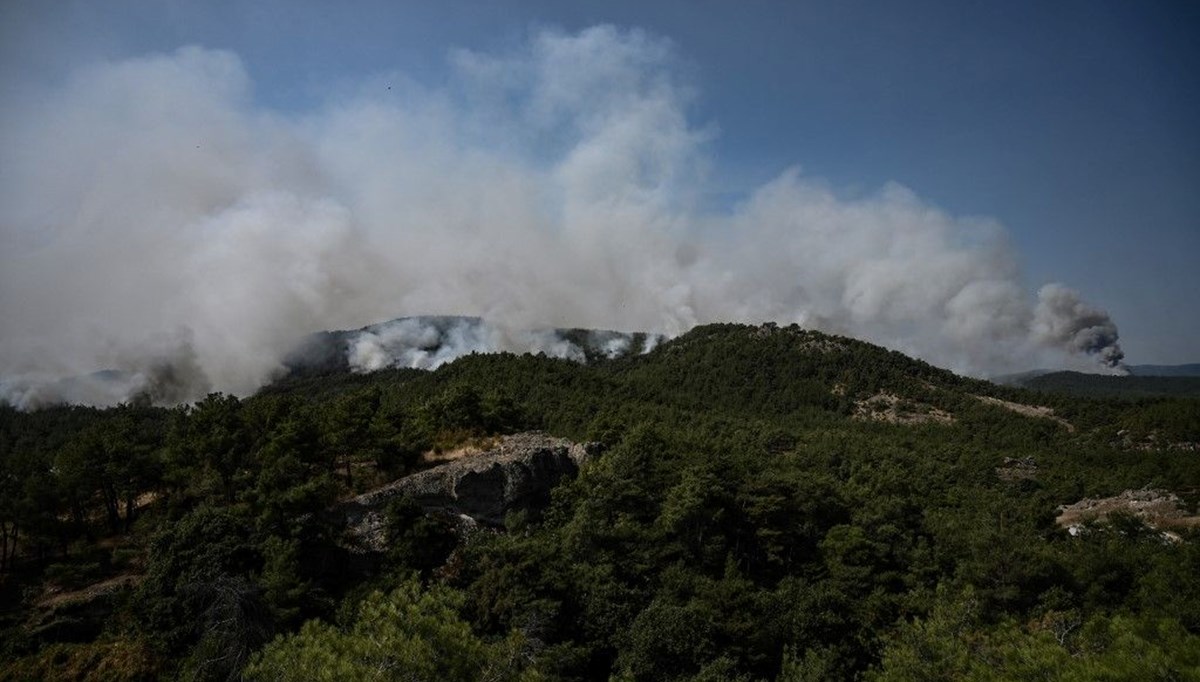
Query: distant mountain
[[1023, 378], [1141, 382], [429, 341], [1107, 386], [758, 372], [1190, 370]]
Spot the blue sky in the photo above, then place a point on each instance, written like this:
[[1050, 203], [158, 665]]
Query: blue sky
[[1074, 124]]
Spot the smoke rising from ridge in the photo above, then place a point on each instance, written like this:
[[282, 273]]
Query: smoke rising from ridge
[[1063, 319], [561, 184]]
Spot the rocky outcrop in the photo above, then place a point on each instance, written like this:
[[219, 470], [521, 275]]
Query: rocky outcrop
[[891, 408], [1146, 442], [1018, 469], [517, 473]]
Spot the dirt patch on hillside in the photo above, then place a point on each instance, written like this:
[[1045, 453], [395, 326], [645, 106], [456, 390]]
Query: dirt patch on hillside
[[891, 408], [1028, 410], [54, 598], [1159, 509]]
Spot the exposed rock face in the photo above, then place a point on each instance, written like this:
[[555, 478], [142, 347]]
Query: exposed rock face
[[517, 473]]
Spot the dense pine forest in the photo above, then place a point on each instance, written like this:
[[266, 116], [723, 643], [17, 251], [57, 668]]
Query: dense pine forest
[[768, 504]]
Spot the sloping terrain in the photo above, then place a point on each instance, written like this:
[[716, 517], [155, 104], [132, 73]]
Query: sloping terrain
[[770, 503], [1037, 411]]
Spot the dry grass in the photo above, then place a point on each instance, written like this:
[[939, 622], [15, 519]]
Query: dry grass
[[1159, 509], [469, 448], [1028, 410]]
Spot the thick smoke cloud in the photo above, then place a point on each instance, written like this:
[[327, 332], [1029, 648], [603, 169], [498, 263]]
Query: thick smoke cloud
[[424, 344], [1063, 319], [428, 342], [558, 185]]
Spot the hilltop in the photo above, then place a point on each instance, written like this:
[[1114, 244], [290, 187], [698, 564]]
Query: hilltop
[[761, 502], [1188, 370]]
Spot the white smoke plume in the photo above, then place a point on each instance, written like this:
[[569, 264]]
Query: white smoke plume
[[558, 185], [428, 342], [613, 345], [412, 343]]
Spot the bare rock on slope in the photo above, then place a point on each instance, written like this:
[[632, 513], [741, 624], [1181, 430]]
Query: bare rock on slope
[[517, 473], [891, 408]]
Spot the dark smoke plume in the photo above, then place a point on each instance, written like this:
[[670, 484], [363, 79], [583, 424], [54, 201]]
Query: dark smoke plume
[[1063, 319]]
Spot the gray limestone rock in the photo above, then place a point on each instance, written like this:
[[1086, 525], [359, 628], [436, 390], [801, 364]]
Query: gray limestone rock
[[517, 473]]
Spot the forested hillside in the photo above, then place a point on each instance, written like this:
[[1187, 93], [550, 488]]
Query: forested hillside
[[768, 504]]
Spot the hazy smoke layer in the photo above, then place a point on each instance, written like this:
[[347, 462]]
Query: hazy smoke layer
[[559, 185]]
